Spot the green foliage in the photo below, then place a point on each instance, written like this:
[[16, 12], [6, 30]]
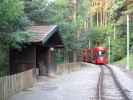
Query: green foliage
[[67, 31], [118, 45], [97, 36], [10, 13], [115, 9], [131, 37], [83, 8], [3, 57], [118, 48], [130, 8], [12, 21], [58, 56], [18, 39], [124, 61], [36, 10], [12, 24], [58, 12], [43, 12]]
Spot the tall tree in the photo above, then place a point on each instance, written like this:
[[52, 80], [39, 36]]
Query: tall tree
[[12, 21], [11, 12]]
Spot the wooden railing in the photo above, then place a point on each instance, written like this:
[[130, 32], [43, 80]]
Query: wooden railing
[[10, 85], [68, 67]]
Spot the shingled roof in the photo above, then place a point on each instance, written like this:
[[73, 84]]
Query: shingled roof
[[42, 33]]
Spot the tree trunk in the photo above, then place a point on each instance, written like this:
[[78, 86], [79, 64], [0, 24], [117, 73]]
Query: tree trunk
[[75, 56]]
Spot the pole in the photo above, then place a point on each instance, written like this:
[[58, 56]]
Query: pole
[[114, 32], [128, 42], [97, 19], [109, 48], [89, 44], [91, 20]]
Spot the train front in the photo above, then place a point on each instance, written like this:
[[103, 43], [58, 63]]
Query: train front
[[100, 55]]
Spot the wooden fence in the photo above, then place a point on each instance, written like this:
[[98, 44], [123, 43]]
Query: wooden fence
[[68, 67], [10, 85]]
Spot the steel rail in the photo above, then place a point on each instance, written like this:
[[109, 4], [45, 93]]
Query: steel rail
[[118, 84], [100, 84]]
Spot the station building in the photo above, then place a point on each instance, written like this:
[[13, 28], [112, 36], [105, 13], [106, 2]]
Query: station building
[[38, 54]]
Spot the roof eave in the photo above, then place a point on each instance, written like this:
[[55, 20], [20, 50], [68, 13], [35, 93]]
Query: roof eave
[[50, 33]]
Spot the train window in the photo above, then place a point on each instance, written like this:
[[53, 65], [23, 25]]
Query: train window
[[100, 54]]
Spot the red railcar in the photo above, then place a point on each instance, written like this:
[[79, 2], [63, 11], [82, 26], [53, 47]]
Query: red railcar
[[95, 55]]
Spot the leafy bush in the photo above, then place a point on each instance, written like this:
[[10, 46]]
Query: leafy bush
[[118, 49]]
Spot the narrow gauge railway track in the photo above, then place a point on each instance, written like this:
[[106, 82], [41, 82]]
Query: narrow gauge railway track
[[108, 87]]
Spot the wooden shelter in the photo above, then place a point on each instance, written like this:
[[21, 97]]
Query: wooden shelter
[[39, 52]]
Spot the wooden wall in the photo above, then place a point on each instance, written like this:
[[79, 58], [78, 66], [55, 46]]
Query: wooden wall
[[22, 60]]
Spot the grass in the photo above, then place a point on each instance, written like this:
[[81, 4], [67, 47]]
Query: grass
[[124, 61]]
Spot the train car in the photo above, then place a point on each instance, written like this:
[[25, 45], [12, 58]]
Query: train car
[[96, 55], [85, 55]]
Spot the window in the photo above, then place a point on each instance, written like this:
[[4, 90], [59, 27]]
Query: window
[[101, 54], [58, 56]]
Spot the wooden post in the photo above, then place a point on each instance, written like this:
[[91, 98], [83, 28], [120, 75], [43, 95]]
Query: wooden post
[[91, 20], [114, 32], [97, 18], [101, 17], [109, 49], [35, 63], [89, 43], [128, 42]]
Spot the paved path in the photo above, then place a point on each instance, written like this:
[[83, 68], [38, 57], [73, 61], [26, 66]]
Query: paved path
[[78, 85]]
